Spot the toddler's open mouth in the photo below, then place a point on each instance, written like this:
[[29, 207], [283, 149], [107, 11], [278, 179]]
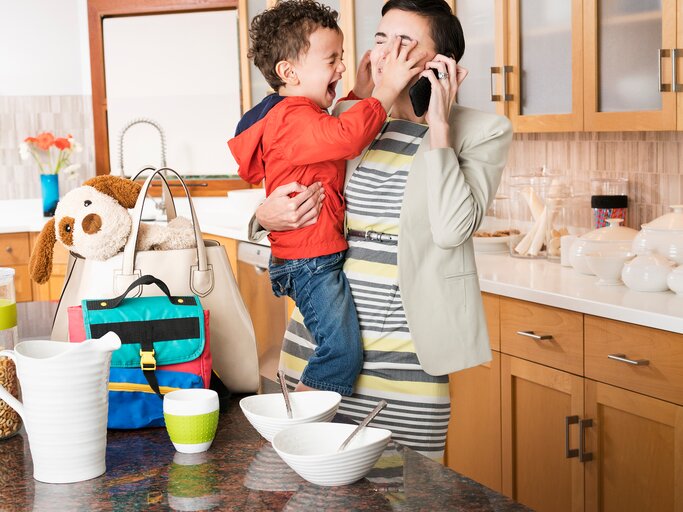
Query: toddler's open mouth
[[332, 88]]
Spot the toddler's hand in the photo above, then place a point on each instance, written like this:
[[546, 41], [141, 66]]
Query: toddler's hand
[[399, 65], [364, 84]]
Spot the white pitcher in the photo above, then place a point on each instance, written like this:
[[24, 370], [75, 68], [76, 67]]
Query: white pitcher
[[64, 409]]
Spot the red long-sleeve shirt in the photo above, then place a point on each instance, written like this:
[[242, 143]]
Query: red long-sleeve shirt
[[298, 141]]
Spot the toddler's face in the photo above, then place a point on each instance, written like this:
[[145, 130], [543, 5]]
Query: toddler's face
[[321, 67], [408, 26]]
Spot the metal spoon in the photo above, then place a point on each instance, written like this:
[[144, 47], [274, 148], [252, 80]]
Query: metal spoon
[[285, 393], [381, 405]]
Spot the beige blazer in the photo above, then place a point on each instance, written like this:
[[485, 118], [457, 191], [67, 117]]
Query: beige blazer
[[447, 194]]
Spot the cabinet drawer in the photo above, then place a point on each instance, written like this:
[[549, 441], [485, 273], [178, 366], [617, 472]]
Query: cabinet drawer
[[492, 312], [563, 347], [661, 377], [14, 249], [22, 284]]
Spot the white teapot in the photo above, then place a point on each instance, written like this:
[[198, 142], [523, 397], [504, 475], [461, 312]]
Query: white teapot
[[647, 272], [663, 235]]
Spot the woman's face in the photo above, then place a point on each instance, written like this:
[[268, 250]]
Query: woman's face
[[407, 26]]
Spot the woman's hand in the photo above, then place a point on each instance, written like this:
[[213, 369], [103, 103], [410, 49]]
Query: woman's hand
[[442, 98], [364, 84], [280, 212]]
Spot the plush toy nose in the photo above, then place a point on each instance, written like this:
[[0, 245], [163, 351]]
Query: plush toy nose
[[92, 223]]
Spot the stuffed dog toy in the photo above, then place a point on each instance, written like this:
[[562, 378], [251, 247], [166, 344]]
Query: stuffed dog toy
[[93, 222]]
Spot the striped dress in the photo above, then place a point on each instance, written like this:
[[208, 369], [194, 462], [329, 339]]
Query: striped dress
[[419, 404]]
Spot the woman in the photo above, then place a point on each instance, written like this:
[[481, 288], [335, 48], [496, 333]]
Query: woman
[[424, 185]]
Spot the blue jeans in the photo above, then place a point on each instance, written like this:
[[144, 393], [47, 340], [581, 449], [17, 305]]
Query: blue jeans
[[322, 293]]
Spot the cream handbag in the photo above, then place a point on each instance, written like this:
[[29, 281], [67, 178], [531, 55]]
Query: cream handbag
[[203, 271]]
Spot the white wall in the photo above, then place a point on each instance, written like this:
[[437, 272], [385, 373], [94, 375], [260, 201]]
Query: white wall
[[44, 48]]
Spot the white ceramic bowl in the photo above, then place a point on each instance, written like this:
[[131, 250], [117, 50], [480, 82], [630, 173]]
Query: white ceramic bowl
[[607, 266], [675, 280], [612, 238], [268, 414], [647, 272], [663, 235], [311, 451]]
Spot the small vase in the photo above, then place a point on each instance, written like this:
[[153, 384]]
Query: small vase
[[49, 186]]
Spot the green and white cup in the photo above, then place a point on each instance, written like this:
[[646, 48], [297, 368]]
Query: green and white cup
[[191, 417]]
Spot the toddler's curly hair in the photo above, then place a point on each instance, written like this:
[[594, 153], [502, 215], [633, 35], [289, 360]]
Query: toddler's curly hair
[[283, 32]]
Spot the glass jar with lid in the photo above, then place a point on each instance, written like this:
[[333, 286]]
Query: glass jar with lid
[[530, 200], [10, 422], [568, 218]]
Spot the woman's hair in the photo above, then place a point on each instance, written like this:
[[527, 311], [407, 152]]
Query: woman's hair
[[282, 33], [446, 29]]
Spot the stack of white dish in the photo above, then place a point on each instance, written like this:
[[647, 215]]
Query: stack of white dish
[[312, 451], [659, 246], [268, 414], [605, 243]]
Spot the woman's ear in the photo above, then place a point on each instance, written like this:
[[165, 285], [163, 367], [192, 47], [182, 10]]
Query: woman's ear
[[40, 263], [285, 70], [125, 191]]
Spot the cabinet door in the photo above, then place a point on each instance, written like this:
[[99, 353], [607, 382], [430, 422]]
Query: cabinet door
[[627, 64], [536, 403], [473, 444], [483, 23], [254, 86], [545, 52], [637, 447], [268, 314]]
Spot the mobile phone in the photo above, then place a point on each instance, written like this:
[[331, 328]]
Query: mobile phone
[[419, 93]]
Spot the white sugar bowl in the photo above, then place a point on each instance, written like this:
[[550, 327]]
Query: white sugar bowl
[[611, 238], [675, 280], [647, 272], [663, 235]]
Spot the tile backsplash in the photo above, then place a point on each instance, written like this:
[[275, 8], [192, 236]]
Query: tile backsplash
[[23, 116], [650, 161]]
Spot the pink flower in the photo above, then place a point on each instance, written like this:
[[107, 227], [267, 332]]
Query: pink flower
[[62, 143]]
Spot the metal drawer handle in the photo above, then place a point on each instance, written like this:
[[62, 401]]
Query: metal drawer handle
[[662, 54], [532, 334], [503, 71], [623, 359], [569, 452], [583, 455]]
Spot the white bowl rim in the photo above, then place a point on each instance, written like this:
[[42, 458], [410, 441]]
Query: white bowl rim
[[386, 437]]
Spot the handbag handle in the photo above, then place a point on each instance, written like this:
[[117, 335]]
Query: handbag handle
[[201, 274], [144, 280], [166, 195]]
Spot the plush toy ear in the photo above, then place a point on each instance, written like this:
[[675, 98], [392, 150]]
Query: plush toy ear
[[40, 263], [125, 191]]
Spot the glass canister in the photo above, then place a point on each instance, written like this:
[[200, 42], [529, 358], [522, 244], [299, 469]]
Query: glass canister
[[530, 213], [10, 422], [568, 218], [609, 200]]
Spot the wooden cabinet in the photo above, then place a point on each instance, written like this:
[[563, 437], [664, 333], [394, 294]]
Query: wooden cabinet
[[547, 335], [636, 443], [15, 251], [473, 444], [539, 405], [607, 439], [559, 66]]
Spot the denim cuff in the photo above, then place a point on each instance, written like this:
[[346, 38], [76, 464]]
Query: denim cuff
[[326, 386]]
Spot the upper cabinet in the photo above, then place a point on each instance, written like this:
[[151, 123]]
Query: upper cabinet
[[572, 65], [629, 54]]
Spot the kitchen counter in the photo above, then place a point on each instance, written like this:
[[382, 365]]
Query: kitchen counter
[[547, 282], [241, 471]]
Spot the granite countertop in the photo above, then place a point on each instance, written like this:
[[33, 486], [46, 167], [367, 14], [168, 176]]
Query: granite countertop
[[241, 471]]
